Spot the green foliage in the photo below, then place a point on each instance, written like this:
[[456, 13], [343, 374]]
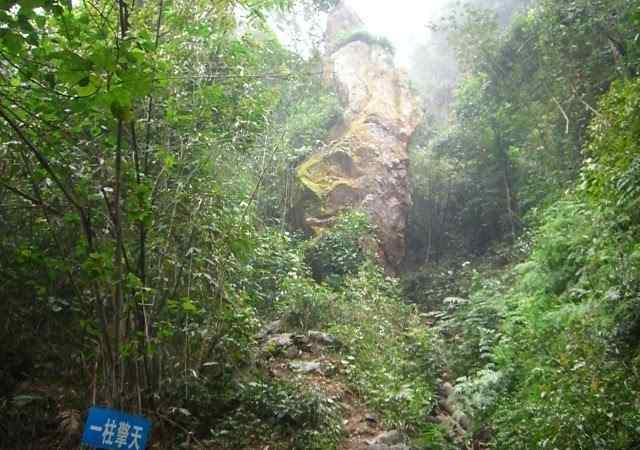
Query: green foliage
[[471, 326], [256, 411], [306, 305], [147, 163], [553, 341], [612, 173], [305, 114], [389, 356], [340, 250], [481, 392], [432, 436], [564, 333], [519, 120], [562, 259], [545, 354], [123, 130], [147, 160], [293, 407], [301, 417], [385, 351], [312, 118], [367, 38], [560, 342], [278, 283], [275, 260]]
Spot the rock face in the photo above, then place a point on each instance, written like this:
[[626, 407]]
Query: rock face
[[366, 164]]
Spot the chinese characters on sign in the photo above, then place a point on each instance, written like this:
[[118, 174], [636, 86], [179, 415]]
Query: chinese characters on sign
[[114, 430]]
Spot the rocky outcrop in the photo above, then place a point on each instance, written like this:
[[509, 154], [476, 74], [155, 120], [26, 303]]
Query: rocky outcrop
[[366, 164]]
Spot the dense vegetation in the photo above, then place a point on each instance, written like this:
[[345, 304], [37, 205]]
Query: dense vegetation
[[521, 112], [147, 178], [147, 184], [536, 170]]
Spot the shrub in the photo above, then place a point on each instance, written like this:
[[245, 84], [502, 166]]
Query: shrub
[[305, 305], [612, 174], [340, 250], [276, 258], [388, 354], [368, 38], [301, 416], [558, 371]]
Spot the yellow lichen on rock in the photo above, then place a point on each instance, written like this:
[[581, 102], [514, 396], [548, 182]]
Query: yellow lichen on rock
[[367, 166]]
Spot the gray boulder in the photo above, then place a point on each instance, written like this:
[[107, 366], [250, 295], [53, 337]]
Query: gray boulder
[[306, 366]]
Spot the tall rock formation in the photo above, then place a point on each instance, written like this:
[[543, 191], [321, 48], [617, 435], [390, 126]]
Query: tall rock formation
[[366, 164]]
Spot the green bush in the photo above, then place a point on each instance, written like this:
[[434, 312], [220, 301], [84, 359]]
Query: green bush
[[559, 367], [388, 354], [301, 417], [612, 174], [340, 250], [552, 361], [276, 258], [560, 249], [368, 38], [470, 327], [305, 305]]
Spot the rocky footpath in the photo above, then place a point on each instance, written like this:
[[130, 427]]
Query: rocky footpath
[[310, 358], [449, 412]]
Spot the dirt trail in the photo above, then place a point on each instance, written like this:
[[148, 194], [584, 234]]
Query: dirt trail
[[312, 363]]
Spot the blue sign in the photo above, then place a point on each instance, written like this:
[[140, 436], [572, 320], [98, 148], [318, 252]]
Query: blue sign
[[114, 430]]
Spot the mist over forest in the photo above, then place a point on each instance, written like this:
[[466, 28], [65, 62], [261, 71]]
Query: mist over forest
[[433, 65], [320, 224]]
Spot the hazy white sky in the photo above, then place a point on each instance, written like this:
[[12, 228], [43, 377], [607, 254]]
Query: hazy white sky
[[402, 21]]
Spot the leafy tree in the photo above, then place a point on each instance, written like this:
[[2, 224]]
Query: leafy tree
[[340, 250], [123, 121], [520, 115]]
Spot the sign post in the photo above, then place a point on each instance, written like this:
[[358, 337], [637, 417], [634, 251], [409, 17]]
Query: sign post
[[114, 430]]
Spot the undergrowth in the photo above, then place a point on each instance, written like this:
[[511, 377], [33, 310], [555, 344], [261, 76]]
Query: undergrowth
[[388, 353], [546, 353], [384, 350], [280, 415]]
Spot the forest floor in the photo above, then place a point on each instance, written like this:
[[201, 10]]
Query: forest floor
[[309, 359]]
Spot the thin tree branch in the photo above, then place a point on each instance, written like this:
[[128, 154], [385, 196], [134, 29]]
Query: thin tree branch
[[42, 159], [566, 118], [33, 200]]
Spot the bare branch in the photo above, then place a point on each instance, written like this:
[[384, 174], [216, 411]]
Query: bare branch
[[566, 118]]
